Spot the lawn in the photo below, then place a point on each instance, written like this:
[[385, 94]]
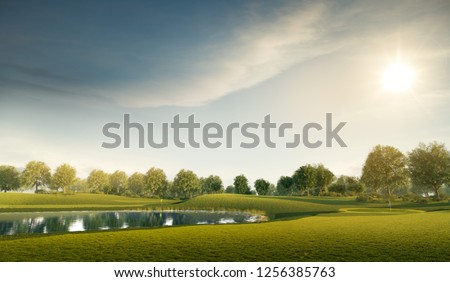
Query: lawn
[[301, 229], [17, 202]]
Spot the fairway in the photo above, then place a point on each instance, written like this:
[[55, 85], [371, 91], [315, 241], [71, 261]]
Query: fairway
[[301, 229], [17, 202]]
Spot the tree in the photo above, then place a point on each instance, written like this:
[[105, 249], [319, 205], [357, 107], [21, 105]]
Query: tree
[[354, 185], [262, 186], [324, 179], [272, 189], [36, 174], [64, 177], [429, 167], [305, 178], [385, 169], [230, 189], [156, 182], [136, 184], [212, 185], [241, 185], [346, 184], [118, 183], [97, 181], [80, 185], [9, 178], [285, 186], [187, 183]]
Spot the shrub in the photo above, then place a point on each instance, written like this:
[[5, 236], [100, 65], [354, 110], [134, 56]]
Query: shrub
[[362, 198]]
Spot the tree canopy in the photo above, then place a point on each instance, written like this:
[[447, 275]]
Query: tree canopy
[[429, 167], [262, 186], [36, 174], [241, 185], [9, 178], [305, 179], [212, 185], [136, 184], [155, 182], [64, 177], [285, 186], [385, 170], [97, 181], [118, 183], [187, 183]]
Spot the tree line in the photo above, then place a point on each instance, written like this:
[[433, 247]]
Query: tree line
[[386, 171]]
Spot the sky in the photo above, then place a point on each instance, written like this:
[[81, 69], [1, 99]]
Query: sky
[[67, 68]]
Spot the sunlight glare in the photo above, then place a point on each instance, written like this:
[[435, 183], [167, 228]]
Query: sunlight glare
[[398, 78]]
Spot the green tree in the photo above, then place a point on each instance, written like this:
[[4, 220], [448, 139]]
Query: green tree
[[187, 183], [262, 186], [324, 179], [305, 178], [230, 189], [97, 181], [353, 185], [64, 177], [285, 186], [385, 169], [346, 184], [272, 190], [212, 185], [136, 184], [36, 174], [80, 185], [241, 185], [171, 192], [156, 182], [118, 183], [9, 178], [429, 166]]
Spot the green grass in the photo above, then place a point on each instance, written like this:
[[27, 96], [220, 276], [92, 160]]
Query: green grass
[[16, 202], [302, 229], [288, 207], [407, 237]]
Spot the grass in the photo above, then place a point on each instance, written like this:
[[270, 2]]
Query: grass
[[16, 202], [341, 230]]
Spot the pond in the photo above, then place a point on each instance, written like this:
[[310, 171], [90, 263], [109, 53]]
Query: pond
[[61, 222]]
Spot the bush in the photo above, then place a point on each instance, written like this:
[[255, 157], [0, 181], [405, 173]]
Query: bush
[[362, 198], [408, 198], [444, 197], [331, 194], [422, 200]]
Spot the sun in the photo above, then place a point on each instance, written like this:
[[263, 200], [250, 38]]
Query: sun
[[398, 78]]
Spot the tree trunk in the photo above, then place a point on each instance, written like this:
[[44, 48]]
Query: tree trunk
[[389, 198], [436, 191]]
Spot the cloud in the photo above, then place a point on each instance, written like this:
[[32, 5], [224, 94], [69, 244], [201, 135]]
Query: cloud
[[257, 51]]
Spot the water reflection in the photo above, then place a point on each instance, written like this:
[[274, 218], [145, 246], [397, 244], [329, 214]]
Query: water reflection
[[57, 222]]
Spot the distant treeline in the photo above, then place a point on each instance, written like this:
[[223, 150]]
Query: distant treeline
[[422, 173]]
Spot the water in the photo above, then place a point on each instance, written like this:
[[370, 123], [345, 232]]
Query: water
[[61, 222]]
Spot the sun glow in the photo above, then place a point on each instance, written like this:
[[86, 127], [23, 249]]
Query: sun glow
[[398, 78]]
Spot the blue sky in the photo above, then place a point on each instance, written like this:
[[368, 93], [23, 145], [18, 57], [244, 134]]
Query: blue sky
[[67, 68]]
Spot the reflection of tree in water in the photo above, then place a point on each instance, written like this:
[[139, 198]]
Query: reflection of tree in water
[[111, 220], [30, 225], [56, 224], [96, 221], [5, 227], [35, 225]]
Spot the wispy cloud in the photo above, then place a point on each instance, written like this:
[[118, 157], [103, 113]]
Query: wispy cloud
[[255, 52]]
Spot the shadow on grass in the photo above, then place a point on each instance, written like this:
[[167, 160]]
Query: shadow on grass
[[297, 215]]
